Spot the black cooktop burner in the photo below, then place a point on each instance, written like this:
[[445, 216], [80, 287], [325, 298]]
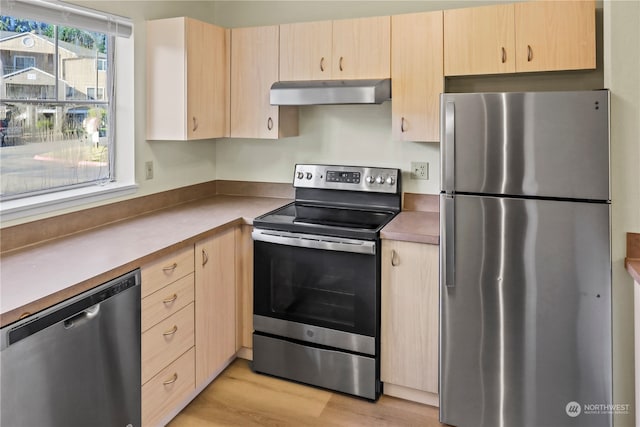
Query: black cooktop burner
[[326, 220]]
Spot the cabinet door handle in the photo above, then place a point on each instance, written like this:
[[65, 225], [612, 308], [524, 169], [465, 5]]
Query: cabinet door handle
[[171, 331], [403, 129], [171, 299], [171, 380], [529, 53], [504, 55], [340, 64], [195, 123], [170, 268], [269, 123], [322, 64], [394, 258], [205, 257]]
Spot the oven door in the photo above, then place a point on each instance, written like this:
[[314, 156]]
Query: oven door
[[317, 289]]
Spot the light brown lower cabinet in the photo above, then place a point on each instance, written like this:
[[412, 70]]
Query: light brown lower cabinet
[[409, 324], [244, 288], [215, 295], [168, 388], [167, 349]]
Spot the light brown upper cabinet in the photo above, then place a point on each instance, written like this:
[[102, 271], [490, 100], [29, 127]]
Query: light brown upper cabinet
[[479, 40], [555, 35], [521, 37], [343, 49], [187, 80], [254, 68], [417, 75]]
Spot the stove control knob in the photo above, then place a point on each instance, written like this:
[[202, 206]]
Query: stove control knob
[[370, 179], [309, 175], [391, 181], [379, 179], [300, 175]]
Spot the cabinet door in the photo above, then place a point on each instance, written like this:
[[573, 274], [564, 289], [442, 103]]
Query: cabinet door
[[362, 48], [166, 96], [305, 51], [417, 76], [215, 312], [555, 35], [254, 68], [409, 323], [479, 40], [207, 78]]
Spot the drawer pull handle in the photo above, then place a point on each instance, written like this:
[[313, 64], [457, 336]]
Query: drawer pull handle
[[504, 55], [340, 64], [205, 257], [403, 129], [270, 123], [170, 268], [172, 380], [529, 53], [171, 331], [195, 124], [171, 299], [394, 258], [322, 64]]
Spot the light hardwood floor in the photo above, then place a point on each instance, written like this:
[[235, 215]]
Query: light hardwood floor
[[239, 397]]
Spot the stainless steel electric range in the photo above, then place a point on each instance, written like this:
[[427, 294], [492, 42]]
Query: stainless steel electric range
[[317, 278]]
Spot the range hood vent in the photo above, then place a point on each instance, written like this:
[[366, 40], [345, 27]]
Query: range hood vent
[[331, 92]]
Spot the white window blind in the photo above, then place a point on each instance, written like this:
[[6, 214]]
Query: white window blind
[[60, 13]]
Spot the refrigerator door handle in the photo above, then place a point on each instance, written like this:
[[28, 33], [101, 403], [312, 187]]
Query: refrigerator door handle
[[449, 257], [449, 146]]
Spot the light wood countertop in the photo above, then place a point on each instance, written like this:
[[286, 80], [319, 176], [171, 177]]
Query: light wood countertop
[[42, 275], [414, 226]]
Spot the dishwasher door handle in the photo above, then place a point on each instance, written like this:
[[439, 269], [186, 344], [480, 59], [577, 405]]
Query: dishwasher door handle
[[82, 317]]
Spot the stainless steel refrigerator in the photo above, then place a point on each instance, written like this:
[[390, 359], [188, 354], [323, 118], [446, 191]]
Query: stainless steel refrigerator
[[525, 277]]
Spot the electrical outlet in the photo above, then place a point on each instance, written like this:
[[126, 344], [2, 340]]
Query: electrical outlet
[[148, 170], [419, 170]]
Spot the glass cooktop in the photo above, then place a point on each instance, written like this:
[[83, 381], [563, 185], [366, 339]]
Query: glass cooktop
[[338, 221]]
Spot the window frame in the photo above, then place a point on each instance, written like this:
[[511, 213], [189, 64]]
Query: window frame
[[30, 206]]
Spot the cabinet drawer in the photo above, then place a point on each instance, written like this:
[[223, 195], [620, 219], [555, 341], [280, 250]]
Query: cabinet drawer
[[160, 273], [163, 343], [171, 386], [168, 300]]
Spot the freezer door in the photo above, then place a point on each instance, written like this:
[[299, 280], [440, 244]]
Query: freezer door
[[525, 326], [545, 144]]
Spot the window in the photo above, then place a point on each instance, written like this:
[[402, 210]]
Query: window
[[91, 93], [57, 101], [22, 62]]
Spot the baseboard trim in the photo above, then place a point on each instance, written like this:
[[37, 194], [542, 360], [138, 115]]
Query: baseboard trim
[[412, 394]]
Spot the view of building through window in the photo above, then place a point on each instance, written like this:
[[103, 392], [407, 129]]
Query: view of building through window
[[54, 93]]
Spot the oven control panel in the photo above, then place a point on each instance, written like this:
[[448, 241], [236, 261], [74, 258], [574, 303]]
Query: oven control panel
[[353, 178]]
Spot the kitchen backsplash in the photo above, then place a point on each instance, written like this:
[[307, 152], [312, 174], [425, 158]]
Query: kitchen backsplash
[[334, 134]]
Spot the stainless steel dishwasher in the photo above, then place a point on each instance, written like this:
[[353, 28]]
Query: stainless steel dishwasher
[[77, 363]]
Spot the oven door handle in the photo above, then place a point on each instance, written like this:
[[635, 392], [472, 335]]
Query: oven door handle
[[313, 241]]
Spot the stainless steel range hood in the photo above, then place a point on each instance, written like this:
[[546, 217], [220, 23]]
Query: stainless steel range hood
[[331, 92]]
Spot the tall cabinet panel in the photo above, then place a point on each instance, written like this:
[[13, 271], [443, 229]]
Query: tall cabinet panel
[[187, 80], [254, 68], [215, 311], [417, 75]]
